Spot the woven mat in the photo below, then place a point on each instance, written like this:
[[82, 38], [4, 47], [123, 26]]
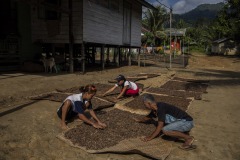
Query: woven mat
[[141, 110], [52, 96], [149, 75], [137, 106], [122, 135], [187, 86], [175, 93], [190, 80], [132, 79], [97, 102], [101, 88], [138, 77], [156, 148]]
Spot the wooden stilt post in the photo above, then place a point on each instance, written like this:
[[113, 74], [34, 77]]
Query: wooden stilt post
[[114, 55], [139, 51], [118, 56], [129, 56], [83, 58], [102, 57], [71, 69]]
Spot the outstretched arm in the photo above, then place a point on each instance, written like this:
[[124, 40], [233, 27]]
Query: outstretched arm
[[110, 90], [122, 92], [86, 120], [155, 133], [92, 113]]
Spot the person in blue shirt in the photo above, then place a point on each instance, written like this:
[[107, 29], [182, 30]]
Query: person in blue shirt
[[75, 105], [172, 121]]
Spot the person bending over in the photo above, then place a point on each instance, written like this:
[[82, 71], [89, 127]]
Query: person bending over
[[128, 88], [172, 121], [75, 105]]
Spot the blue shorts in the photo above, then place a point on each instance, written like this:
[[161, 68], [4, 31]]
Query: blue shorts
[[179, 125]]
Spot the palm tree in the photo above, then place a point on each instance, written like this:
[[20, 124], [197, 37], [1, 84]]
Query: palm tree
[[154, 21]]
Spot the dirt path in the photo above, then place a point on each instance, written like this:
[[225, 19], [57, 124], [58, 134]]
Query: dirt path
[[30, 132]]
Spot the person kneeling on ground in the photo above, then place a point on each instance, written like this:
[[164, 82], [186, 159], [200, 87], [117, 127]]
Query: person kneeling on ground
[[172, 121], [128, 88], [76, 104]]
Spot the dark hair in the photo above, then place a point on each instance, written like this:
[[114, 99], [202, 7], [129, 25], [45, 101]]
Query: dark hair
[[148, 98], [88, 89], [120, 77]]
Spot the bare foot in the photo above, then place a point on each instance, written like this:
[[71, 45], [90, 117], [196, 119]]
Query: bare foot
[[64, 126], [78, 120], [189, 141]]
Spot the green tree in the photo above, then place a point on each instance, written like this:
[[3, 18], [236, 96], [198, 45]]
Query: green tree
[[154, 20], [181, 24], [232, 11]]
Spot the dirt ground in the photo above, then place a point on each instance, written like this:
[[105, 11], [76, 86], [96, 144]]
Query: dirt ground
[[29, 131]]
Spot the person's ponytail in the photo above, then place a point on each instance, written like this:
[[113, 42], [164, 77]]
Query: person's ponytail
[[90, 89]]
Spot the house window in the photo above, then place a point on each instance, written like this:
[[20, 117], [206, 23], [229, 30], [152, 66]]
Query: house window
[[45, 11]]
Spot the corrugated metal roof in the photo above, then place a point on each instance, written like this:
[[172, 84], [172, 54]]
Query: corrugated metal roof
[[176, 32], [220, 40]]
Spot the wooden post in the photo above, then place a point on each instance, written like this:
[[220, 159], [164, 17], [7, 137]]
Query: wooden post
[[108, 59], [83, 57], [170, 58], [144, 59], [183, 54], [129, 57], [70, 37], [119, 57], [102, 57], [93, 55], [139, 51], [114, 55]]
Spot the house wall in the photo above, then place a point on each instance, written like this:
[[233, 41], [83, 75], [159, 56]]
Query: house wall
[[224, 49], [102, 25], [91, 23], [57, 31], [136, 25], [27, 50], [214, 48]]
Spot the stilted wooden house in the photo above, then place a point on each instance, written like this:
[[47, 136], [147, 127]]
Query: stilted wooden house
[[75, 31], [78, 29]]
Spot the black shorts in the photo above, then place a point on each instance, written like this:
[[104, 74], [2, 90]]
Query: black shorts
[[70, 113]]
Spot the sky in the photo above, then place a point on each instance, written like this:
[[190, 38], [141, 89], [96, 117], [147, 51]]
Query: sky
[[183, 6]]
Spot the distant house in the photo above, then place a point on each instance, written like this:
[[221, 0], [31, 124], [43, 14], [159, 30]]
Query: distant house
[[177, 35], [224, 46]]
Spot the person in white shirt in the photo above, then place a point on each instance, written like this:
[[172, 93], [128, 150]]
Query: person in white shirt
[[128, 88], [75, 105]]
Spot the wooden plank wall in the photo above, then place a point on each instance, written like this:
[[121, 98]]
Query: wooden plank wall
[[91, 23], [40, 31], [136, 24], [102, 25]]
